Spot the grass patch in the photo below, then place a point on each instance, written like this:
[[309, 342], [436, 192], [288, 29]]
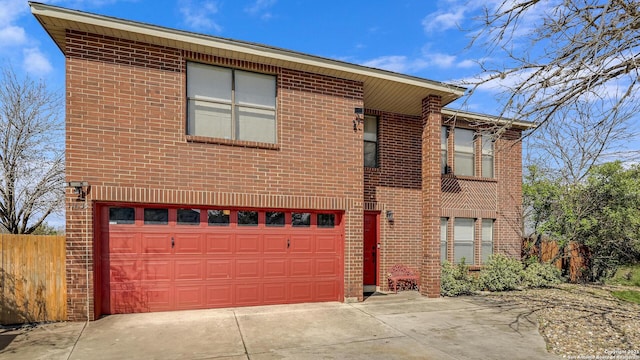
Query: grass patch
[[626, 275], [627, 295]]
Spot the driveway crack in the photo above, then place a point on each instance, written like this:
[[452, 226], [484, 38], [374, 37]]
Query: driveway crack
[[244, 345]]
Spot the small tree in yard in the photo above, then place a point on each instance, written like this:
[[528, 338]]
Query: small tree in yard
[[31, 153]]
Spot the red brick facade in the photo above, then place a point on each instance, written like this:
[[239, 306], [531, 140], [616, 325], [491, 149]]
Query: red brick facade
[[125, 136]]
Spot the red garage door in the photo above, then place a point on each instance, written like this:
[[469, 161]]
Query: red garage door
[[159, 259]]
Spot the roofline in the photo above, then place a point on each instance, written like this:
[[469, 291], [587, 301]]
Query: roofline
[[488, 118], [238, 46]]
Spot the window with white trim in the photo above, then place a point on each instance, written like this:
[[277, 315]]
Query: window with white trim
[[370, 141], [486, 249], [487, 156], [464, 152], [231, 104], [443, 239], [444, 166], [463, 240]]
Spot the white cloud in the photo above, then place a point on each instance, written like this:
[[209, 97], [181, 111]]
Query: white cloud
[[395, 63], [440, 21], [403, 64], [35, 62], [199, 15], [12, 35], [261, 8], [11, 10]]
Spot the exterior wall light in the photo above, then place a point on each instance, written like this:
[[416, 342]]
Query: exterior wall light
[[79, 187], [390, 216]]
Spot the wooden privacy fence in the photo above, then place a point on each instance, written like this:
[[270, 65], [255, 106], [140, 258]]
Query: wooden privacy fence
[[573, 260], [33, 284]]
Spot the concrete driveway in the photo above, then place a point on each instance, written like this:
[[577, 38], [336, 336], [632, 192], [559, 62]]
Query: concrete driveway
[[403, 326]]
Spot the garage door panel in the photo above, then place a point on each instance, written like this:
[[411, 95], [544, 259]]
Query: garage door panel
[[301, 244], [156, 243], [125, 270], [190, 297], [301, 267], [275, 244], [219, 295], [188, 244], [327, 267], [219, 269], [248, 294], [275, 268], [124, 243], [219, 243], [189, 269], [248, 269], [248, 244], [326, 290], [157, 270], [326, 244], [301, 291], [157, 297], [275, 293]]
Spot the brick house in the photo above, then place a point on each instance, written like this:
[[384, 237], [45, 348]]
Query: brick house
[[206, 172]]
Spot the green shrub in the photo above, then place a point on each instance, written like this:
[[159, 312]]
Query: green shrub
[[538, 275], [456, 280], [501, 273]]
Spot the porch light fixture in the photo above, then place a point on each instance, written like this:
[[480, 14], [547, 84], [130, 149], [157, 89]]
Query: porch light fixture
[[359, 118], [79, 187], [390, 216]]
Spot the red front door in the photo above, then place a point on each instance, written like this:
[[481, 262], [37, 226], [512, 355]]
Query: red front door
[[370, 251]]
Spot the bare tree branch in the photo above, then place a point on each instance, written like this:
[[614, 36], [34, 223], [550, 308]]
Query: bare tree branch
[[31, 153]]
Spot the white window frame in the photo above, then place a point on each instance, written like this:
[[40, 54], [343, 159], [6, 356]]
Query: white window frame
[[370, 140], [461, 151], [464, 238], [487, 161], [486, 248], [444, 224], [444, 151], [233, 130]]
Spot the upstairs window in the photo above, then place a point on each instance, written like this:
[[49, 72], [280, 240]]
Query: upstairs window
[[487, 156], [464, 152], [370, 141], [231, 104], [444, 166]]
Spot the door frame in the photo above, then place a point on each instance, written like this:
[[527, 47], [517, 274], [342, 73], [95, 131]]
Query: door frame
[[378, 249]]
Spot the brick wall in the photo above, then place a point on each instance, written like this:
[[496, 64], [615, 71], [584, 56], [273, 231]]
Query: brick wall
[[126, 137]]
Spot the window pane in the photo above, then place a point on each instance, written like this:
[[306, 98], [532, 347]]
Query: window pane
[[188, 216], [275, 218], [301, 219], [256, 125], [443, 239], [247, 218], [487, 166], [487, 239], [370, 128], [464, 152], [209, 119], [218, 217], [210, 82], [370, 154], [326, 220], [156, 216], [255, 89], [443, 151], [122, 215], [463, 240], [464, 164]]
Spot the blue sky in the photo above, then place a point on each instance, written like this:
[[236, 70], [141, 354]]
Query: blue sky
[[411, 37]]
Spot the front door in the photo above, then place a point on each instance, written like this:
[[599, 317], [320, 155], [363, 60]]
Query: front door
[[370, 251]]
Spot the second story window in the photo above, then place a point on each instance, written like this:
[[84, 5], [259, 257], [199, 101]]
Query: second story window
[[464, 152], [231, 104], [487, 156], [370, 141], [444, 162]]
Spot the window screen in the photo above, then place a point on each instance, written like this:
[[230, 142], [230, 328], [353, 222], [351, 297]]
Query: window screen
[[463, 240]]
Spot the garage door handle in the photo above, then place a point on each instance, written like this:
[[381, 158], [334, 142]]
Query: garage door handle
[[288, 243], [173, 243]]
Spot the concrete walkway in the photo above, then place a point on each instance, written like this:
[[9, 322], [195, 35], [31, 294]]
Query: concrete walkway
[[403, 326]]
